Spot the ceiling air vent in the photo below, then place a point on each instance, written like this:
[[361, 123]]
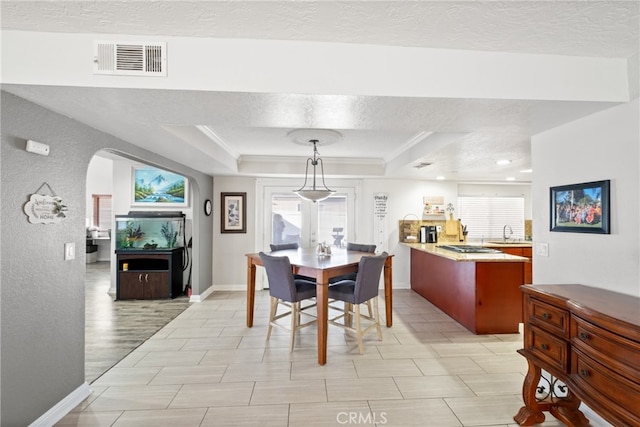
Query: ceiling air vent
[[130, 59], [422, 165]]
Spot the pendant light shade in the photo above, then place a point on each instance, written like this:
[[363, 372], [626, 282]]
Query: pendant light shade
[[313, 192]]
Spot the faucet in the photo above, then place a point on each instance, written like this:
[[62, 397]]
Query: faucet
[[504, 232]]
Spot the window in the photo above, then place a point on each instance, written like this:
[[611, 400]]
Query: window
[[486, 217], [102, 211]]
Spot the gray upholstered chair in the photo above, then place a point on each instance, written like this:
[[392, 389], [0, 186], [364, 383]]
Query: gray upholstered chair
[[355, 292], [284, 246], [353, 247], [289, 292]]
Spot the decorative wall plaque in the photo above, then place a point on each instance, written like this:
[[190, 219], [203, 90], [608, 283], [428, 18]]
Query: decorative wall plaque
[[45, 209]]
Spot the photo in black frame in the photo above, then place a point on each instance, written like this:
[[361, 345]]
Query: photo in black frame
[[581, 208]]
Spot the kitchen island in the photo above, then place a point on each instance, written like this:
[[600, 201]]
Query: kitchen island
[[480, 290]]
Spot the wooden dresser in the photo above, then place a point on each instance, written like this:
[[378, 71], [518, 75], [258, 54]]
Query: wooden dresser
[[589, 339]]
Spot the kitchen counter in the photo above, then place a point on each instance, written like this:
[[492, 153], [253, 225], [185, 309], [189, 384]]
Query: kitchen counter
[[481, 291], [434, 249]]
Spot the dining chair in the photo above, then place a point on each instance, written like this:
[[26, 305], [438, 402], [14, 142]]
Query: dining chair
[[289, 292], [355, 292], [284, 246], [353, 247]]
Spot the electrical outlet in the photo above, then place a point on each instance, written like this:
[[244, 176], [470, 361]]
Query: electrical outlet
[[69, 251], [542, 249]]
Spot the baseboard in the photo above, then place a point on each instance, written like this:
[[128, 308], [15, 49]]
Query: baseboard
[[62, 408], [201, 297]]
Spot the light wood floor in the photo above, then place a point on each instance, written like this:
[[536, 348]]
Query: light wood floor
[[113, 329], [206, 368]]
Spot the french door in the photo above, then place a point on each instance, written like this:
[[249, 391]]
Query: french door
[[288, 218]]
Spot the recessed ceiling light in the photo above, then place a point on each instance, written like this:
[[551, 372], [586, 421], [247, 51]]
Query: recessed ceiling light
[[511, 178], [440, 178], [526, 171], [503, 162]]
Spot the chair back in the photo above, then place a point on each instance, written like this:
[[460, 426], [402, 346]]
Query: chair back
[[283, 246], [368, 278], [360, 247], [280, 276]]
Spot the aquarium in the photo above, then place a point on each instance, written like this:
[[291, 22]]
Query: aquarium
[[150, 230]]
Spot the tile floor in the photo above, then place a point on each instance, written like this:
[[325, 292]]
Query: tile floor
[[205, 368]]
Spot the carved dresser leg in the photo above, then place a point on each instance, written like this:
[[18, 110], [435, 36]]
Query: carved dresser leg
[[531, 413]]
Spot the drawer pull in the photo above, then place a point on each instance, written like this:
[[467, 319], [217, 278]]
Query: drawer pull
[[140, 277], [146, 277], [584, 373], [584, 336], [546, 316], [544, 347]]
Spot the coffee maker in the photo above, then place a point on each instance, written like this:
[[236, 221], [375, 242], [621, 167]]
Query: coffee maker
[[428, 234]]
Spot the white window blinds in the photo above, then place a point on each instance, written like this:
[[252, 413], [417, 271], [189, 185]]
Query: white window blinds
[[485, 217]]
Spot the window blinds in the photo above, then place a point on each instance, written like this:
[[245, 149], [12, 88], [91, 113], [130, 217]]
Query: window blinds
[[485, 217]]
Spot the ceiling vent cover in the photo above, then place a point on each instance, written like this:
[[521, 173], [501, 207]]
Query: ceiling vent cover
[[422, 165], [130, 59]]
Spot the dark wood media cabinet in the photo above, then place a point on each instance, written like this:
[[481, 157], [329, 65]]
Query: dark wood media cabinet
[[149, 274], [589, 339]]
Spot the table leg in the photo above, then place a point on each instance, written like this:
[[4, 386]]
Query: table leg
[[251, 290], [322, 303], [388, 292]]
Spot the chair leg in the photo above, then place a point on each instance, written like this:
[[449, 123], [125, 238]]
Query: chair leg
[[359, 329], [348, 318], [295, 320], [377, 318], [273, 307]]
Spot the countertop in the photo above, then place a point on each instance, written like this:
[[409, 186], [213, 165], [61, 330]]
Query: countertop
[[432, 248]]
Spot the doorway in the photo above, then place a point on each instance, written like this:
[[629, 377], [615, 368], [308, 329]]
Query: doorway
[[289, 219]]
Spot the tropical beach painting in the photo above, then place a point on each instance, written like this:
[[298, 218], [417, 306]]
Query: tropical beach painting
[[157, 187]]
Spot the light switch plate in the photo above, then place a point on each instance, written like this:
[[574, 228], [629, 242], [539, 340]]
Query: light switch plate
[[69, 251], [542, 249]]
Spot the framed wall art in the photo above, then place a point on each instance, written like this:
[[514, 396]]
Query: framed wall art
[[158, 188], [233, 212], [581, 208]]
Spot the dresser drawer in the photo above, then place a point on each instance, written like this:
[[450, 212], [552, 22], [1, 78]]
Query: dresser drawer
[[548, 317], [548, 347], [615, 393], [616, 352]]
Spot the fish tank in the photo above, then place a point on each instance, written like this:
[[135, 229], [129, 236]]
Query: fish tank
[[150, 230]]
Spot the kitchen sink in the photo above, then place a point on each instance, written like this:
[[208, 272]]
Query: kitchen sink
[[469, 249]]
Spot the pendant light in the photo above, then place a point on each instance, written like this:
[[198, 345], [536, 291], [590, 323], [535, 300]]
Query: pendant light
[[314, 193]]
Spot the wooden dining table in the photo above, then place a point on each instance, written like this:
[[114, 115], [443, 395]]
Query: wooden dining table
[[307, 262]]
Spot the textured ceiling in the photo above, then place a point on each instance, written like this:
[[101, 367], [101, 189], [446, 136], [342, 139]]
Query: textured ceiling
[[466, 135], [582, 28]]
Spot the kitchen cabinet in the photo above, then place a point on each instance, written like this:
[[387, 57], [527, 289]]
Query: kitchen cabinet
[[480, 291], [149, 274], [525, 251]]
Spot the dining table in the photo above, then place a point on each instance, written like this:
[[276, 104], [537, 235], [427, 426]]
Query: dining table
[[322, 267]]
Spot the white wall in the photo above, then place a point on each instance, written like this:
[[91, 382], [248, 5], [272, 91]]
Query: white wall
[[405, 197], [229, 262], [602, 146], [99, 181]]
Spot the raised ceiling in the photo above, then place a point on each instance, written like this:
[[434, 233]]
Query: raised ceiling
[[388, 125]]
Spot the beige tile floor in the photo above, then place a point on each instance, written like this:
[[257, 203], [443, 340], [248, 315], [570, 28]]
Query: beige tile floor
[[205, 368]]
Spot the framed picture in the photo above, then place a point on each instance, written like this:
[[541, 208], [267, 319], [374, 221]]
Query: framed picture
[[233, 212], [581, 208], [156, 187]]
